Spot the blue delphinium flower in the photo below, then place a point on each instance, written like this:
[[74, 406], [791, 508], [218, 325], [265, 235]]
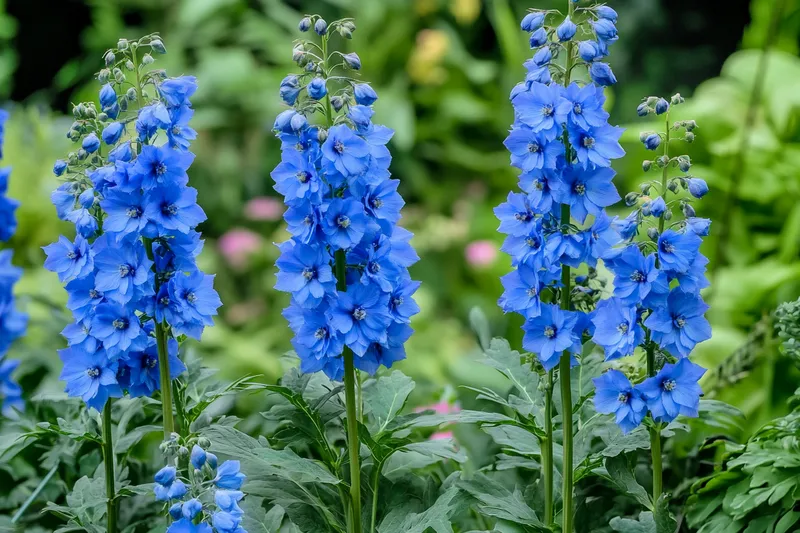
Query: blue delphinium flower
[[184, 525], [136, 246], [229, 476], [346, 264], [617, 328], [615, 395], [12, 322], [674, 391], [549, 334]]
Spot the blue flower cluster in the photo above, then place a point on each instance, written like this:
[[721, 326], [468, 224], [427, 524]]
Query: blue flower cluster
[[191, 515], [131, 271], [563, 145], [656, 302], [342, 212], [12, 322]]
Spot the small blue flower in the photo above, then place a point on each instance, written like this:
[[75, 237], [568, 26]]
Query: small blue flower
[[634, 274], [305, 271], [296, 177], [602, 74], [674, 391], [364, 94], [317, 89], [697, 187], [566, 30], [177, 91], [125, 213], [196, 300], [550, 334], [108, 97], [187, 526], [117, 328], [348, 152], [538, 38], [538, 108], [657, 207], [361, 314], [516, 216], [91, 143], [228, 501], [90, 376], [605, 30], [522, 291], [122, 272], [143, 374], [680, 325], [161, 166], [532, 21], [605, 12], [532, 150], [198, 457], [173, 209], [627, 227], [191, 508], [228, 476], [542, 57], [617, 328], [614, 394], [586, 191], [589, 51], [597, 145], [113, 132], [10, 392], [698, 226], [677, 251], [70, 260], [290, 89], [167, 487], [225, 522], [652, 141], [344, 222]]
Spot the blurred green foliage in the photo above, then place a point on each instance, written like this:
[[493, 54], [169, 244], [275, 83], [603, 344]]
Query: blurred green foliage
[[443, 69]]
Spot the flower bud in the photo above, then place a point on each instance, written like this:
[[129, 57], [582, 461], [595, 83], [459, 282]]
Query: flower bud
[[690, 125], [119, 77], [684, 163], [662, 161], [123, 105], [311, 66], [643, 110], [688, 210], [78, 111], [662, 106], [658, 207], [364, 94], [667, 215], [204, 443], [147, 59], [697, 187], [602, 74], [211, 460], [322, 135], [82, 154], [102, 117], [652, 233], [605, 12], [305, 24], [298, 122], [59, 167], [352, 60], [91, 143], [103, 75], [645, 188], [631, 198], [566, 30], [130, 94], [158, 46], [109, 58], [647, 165], [532, 21], [689, 137], [652, 141], [672, 185], [337, 102], [345, 33], [538, 38], [198, 457], [183, 452], [588, 50], [350, 25], [677, 99], [543, 56], [72, 158], [317, 89], [321, 27], [299, 55], [129, 65], [643, 135]]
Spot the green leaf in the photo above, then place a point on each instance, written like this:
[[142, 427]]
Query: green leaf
[[645, 524], [421, 455], [384, 398], [515, 439], [665, 522], [261, 462], [617, 443], [496, 500], [787, 521], [480, 325], [621, 474], [437, 517], [257, 520]]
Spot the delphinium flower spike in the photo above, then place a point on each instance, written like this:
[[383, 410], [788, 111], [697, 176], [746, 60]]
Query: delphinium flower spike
[[346, 264], [656, 304], [563, 145], [131, 274], [12, 322]]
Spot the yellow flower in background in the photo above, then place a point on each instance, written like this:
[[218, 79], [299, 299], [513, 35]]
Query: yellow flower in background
[[465, 11], [424, 65]]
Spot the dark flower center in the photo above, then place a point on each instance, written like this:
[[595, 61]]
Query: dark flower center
[[308, 220], [532, 242], [538, 185], [120, 323], [398, 301], [668, 385], [577, 109], [623, 328], [126, 270], [637, 276], [164, 300], [360, 313], [93, 294], [169, 210], [161, 169], [150, 362], [176, 130], [580, 188], [93, 372], [523, 216], [550, 332], [191, 297], [338, 146], [679, 321], [588, 142], [374, 267], [321, 333], [547, 110], [531, 292], [534, 148], [377, 203], [303, 176], [623, 397], [134, 211], [309, 273], [343, 221], [72, 254], [667, 247]]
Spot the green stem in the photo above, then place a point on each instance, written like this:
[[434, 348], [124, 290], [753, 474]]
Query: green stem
[[108, 461], [547, 451], [353, 445], [166, 381], [664, 176], [35, 494], [655, 431], [376, 480], [565, 380]]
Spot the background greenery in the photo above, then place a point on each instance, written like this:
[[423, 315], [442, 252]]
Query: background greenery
[[443, 69]]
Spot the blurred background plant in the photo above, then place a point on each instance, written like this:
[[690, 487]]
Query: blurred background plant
[[443, 69]]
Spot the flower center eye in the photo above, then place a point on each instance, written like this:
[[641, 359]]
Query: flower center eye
[[667, 247], [534, 148], [299, 147], [623, 328], [161, 169], [523, 217], [191, 297], [580, 188], [338, 146], [531, 292], [176, 130], [669, 385], [577, 109], [134, 211], [120, 323], [588, 142], [374, 267], [93, 372], [550, 332], [637, 276], [623, 397], [150, 362], [309, 273], [126, 270], [72, 254], [547, 110], [360, 313], [164, 300], [532, 242], [398, 301], [320, 333], [169, 210], [680, 321], [343, 221], [377, 203], [308, 220], [93, 294], [538, 185], [303, 176]]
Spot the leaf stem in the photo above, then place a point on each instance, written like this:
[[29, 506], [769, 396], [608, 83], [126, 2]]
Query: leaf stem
[[547, 451], [655, 431], [166, 381], [108, 461], [35, 494], [376, 481]]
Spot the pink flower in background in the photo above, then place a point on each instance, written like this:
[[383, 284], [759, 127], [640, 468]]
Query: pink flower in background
[[481, 253], [441, 435], [441, 408], [264, 208], [238, 244]]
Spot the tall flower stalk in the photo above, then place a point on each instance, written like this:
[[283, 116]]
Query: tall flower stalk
[[131, 274], [12, 322], [346, 264], [656, 304], [563, 145]]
